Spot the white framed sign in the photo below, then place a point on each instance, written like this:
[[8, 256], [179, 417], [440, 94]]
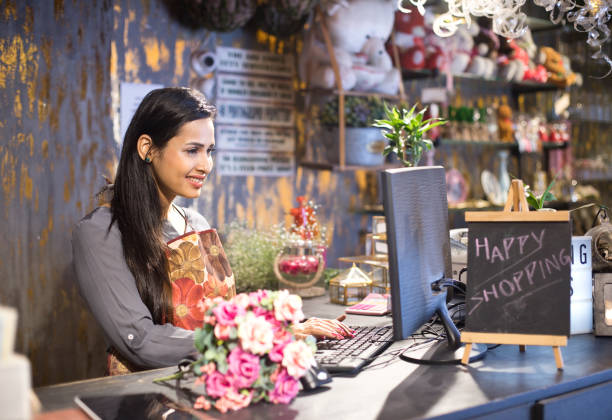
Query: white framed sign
[[131, 94], [271, 139], [238, 60], [238, 112], [234, 163], [233, 86]]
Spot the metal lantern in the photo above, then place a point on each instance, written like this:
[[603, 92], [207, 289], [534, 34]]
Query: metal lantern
[[350, 286]]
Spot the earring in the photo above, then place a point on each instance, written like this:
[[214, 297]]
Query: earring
[[147, 159]]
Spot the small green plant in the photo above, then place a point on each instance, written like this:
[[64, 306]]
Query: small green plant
[[358, 111], [405, 129], [251, 255], [537, 202]]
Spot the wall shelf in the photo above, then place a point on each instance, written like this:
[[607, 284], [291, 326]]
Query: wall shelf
[[322, 91], [493, 144], [499, 145], [531, 87], [420, 74], [554, 146], [345, 168]]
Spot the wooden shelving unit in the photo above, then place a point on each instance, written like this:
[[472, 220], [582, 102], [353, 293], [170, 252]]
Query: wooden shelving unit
[[341, 94]]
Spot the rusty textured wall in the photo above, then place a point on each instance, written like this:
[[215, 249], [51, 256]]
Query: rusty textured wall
[[55, 141], [60, 66]]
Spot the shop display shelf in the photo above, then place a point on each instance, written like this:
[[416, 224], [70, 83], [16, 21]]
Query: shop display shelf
[[554, 146], [531, 87], [493, 144], [322, 91], [419, 74], [334, 167]]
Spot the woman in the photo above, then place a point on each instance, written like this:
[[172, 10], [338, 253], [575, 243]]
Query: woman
[[142, 262]]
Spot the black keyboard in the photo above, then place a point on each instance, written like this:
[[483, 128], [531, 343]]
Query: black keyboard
[[351, 354]]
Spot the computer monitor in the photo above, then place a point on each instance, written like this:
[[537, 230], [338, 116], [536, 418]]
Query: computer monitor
[[416, 214]]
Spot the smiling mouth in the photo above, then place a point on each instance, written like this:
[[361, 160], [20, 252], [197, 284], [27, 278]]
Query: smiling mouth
[[196, 181]]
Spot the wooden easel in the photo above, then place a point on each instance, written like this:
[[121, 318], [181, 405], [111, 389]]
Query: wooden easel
[[516, 209]]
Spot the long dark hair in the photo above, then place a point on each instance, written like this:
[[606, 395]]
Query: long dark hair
[[136, 205]]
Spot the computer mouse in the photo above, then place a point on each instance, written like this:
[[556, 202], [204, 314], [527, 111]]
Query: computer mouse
[[314, 377]]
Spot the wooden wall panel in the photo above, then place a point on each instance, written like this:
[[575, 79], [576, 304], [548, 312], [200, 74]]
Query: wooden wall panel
[[55, 142]]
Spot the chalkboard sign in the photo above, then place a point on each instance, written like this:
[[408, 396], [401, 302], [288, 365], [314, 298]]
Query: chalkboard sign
[[519, 276]]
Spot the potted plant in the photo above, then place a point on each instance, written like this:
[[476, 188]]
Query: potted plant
[[363, 143], [537, 202], [405, 131]]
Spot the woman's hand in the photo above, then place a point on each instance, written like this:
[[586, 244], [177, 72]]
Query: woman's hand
[[323, 328]]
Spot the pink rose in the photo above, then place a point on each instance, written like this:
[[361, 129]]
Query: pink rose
[[244, 367], [297, 358], [222, 332], [281, 338], [201, 403], [222, 405], [282, 335], [255, 334], [226, 313], [268, 315], [277, 352], [217, 384], [237, 400], [288, 307], [257, 296], [208, 368], [233, 401], [242, 300], [285, 389]]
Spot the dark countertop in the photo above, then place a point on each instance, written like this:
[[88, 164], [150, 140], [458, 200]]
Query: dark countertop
[[392, 388]]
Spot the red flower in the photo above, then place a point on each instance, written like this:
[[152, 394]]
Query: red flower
[[185, 297]]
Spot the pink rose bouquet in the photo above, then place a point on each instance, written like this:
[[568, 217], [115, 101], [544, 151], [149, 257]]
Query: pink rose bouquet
[[248, 352]]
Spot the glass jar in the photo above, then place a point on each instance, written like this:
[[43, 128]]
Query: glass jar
[[299, 266]]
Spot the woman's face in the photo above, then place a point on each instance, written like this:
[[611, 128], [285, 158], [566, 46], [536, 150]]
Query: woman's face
[[181, 167]]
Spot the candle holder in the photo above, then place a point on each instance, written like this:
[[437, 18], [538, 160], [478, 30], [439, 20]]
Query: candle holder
[[350, 286]]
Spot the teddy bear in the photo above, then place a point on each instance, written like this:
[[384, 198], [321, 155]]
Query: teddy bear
[[437, 53], [504, 124], [409, 36], [357, 29], [460, 46], [513, 61], [486, 45], [534, 72], [372, 70], [557, 67]]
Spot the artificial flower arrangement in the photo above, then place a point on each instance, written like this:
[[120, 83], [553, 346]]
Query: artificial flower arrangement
[[248, 352]]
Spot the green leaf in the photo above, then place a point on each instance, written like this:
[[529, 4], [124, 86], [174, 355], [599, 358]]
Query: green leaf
[[198, 339], [548, 196], [533, 202]]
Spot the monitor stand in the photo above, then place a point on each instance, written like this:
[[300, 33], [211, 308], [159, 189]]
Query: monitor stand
[[447, 352]]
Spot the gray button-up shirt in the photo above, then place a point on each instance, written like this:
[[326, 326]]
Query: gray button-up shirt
[[109, 288]]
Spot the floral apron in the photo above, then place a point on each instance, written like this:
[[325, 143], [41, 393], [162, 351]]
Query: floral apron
[[198, 268]]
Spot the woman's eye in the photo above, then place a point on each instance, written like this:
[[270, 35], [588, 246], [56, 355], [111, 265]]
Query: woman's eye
[[211, 150], [193, 151]]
